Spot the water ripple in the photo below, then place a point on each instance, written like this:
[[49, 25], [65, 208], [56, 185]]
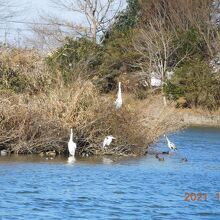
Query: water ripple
[[132, 189]]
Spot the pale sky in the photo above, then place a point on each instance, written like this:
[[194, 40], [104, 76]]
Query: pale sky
[[15, 32]]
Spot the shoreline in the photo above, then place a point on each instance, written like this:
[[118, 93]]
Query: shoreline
[[199, 120], [151, 116]]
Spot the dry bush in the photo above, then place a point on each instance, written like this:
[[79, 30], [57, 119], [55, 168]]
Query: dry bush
[[34, 124], [28, 65], [159, 119]]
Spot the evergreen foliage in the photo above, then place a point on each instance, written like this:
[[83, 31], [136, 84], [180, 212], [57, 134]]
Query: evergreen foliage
[[196, 82]]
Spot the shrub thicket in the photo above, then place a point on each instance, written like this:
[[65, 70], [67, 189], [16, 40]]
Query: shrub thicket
[[196, 82], [12, 80], [34, 124], [75, 53], [22, 70]]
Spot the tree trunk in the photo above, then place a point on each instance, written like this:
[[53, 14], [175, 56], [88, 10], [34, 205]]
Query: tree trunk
[[164, 100], [163, 92], [94, 32]]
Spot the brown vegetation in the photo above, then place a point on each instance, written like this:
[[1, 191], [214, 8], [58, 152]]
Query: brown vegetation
[[159, 119], [34, 124], [41, 98], [23, 70]]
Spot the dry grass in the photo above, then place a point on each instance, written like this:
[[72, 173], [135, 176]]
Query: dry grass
[[34, 124], [159, 119], [39, 119], [29, 65]]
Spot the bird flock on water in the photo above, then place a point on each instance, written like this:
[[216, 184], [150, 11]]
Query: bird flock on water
[[108, 139]]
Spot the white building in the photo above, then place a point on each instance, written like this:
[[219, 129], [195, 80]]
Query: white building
[[155, 78]]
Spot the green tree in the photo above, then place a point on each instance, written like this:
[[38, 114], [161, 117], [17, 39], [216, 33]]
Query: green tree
[[80, 52], [196, 82], [124, 21], [119, 53]]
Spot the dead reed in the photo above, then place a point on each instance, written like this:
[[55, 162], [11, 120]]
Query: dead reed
[[39, 118], [40, 123]]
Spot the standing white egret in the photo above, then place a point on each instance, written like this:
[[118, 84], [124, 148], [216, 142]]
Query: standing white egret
[[71, 144], [118, 101], [107, 141], [170, 144]]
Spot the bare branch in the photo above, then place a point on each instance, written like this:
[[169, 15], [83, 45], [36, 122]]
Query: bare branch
[[98, 14]]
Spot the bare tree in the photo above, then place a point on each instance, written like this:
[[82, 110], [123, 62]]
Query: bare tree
[[46, 36], [179, 15], [97, 13], [96, 16], [156, 47], [88, 18], [162, 22]]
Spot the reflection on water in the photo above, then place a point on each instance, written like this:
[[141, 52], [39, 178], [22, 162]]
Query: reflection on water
[[71, 160], [106, 160], [111, 188]]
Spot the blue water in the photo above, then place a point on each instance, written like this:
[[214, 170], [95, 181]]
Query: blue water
[[141, 188]]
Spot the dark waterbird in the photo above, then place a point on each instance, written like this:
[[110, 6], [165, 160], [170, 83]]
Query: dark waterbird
[[159, 157]]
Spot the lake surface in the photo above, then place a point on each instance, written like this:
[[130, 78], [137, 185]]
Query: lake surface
[[140, 188]]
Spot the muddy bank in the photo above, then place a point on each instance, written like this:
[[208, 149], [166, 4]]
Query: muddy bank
[[193, 119], [154, 111]]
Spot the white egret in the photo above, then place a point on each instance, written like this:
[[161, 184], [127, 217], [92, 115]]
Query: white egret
[[71, 144], [118, 101], [3, 152], [170, 144], [107, 141]]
